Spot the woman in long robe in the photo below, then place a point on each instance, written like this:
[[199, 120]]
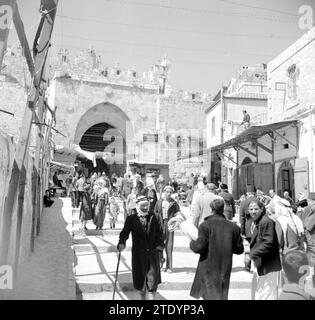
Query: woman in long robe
[[100, 209], [86, 208]]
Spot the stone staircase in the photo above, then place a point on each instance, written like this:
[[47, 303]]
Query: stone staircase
[[96, 259]]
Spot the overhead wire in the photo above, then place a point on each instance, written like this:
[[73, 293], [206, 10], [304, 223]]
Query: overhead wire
[[260, 8], [176, 29], [208, 12], [168, 47]]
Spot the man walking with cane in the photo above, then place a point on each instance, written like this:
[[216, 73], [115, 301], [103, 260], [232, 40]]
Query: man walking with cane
[[147, 247]]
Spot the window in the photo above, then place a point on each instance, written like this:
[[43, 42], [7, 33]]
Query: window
[[150, 137], [213, 127]]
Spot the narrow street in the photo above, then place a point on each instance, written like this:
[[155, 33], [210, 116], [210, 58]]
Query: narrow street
[[96, 263], [69, 263]]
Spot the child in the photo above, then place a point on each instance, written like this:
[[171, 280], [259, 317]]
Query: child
[[295, 265], [113, 212]]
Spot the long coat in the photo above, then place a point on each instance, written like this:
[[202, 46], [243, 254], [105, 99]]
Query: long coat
[[145, 251], [264, 247], [217, 240], [229, 205], [245, 218], [200, 206]]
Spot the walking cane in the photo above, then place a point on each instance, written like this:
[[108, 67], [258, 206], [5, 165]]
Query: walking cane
[[115, 285]]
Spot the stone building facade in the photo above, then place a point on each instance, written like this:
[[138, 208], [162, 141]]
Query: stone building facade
[[123, 114], [291, 78]]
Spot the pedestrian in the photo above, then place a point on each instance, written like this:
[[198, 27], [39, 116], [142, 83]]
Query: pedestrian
[[138, 184], [200, 206], [165, 209], [218, 239], [113, 212], [246, 223], [69, 185], [102, 202], [47, 201], [190, 193], [131, 201], [289, 227], [147, 247], [80, 184], [56, 180], [272, 193], [294, 266], [308, 219], [229, 205], [149, 186], [75, 193], [160, 184], [173, 183], [152, 197], [191, 180], [264, 251], [126, 188], [287, 197], [86, 207]]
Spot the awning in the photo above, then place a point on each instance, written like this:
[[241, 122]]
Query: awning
[[68, 155], [253, 133], [61, 166]]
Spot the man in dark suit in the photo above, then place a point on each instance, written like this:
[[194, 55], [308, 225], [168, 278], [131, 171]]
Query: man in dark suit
[[218, 239], [165, 209], [264, 251], [246, 221]]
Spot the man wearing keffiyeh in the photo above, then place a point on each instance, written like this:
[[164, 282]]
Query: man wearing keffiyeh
[[147, 245]]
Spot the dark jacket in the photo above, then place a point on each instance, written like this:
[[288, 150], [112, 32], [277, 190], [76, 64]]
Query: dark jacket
[[245, 218], [264, 247], [172, 210], [217, 240], [229, 205], [145, 251], [292, 291]]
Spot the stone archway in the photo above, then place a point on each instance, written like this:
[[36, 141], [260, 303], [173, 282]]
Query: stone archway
[[106, 128]]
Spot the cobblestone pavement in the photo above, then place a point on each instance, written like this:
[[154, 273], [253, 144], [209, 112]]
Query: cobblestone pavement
[[47, 274]]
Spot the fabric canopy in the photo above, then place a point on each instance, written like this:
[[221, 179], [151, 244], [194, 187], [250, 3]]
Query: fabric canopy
[[253, 133]]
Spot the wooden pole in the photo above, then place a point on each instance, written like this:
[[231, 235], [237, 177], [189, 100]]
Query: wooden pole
[[40, 49], [5, 25]]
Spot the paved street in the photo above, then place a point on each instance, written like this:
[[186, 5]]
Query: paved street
[[47, 274], [69, 263], [96, 258]]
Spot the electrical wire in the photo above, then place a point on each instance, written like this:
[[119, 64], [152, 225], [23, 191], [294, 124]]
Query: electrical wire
[[208, 12], [260, 8], [177, 30], [167, 47]]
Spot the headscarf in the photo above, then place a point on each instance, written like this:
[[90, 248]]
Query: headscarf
[[285, 216], [139, 201]]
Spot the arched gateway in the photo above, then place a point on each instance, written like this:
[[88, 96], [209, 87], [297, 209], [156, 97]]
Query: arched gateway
[[105, 128]]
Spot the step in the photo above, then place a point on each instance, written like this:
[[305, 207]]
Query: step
[[234, 294], [96, 273]]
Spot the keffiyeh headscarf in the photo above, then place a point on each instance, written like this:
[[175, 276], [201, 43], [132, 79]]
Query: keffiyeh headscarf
[[285, 216]]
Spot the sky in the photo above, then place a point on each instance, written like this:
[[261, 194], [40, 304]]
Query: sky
[[205, 40]]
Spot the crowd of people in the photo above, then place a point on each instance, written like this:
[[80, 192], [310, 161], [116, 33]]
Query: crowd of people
[[276, 234], [280, 235]]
